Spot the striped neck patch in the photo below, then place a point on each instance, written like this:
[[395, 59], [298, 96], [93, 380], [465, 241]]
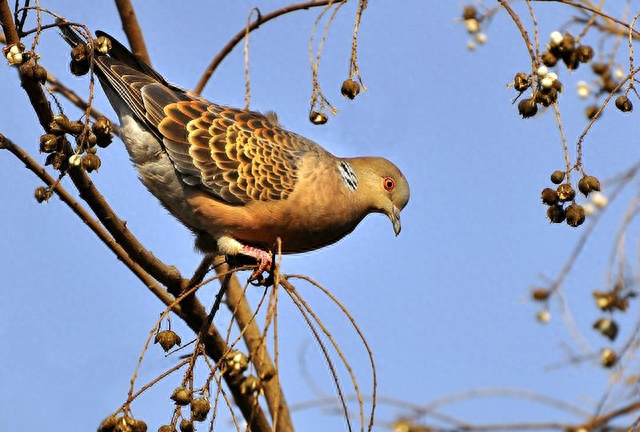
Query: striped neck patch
[[348, 176]]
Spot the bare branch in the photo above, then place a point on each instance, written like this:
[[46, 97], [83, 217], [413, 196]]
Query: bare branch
[[235, 40], [132, 29], [237, 302]]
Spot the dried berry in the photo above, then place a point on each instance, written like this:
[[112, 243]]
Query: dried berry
[[557, 177], [186, 425], [557, 85], [167, 428], [566, 192], [624, 104], [547, 98], [102, 45], [199, 409], [102, 126], [605, 300], [469, 12], [521, 81], [48, 143], [181, 396], [610, 85], [318, 118], [571, 60], [585, 53], [527, 108], [568, 44], [80, 53], [138, 425], [79, 60], [90, 162], [575, 215], [549, 59], [167, 339], [250, 385], [86, 139], [549, 196], [75, 127], [540, 294], [591, 112], [555, 213], [235, 362], [607, 327], [350, 89], [601, 69], [108, 424], [608, 357], [129, 424], [42, 194], [588, 184], [58, 161]]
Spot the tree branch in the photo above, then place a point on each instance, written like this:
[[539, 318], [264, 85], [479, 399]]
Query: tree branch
[[132, 29], [261, 19], [94, 225], [237, 302]]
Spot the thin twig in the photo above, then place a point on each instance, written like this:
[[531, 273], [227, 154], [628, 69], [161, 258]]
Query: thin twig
[[235, 40]]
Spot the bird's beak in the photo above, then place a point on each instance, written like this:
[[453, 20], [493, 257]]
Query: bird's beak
[[394, 216]]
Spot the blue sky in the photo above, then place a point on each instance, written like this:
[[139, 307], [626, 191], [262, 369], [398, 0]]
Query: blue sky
[[444, 305]]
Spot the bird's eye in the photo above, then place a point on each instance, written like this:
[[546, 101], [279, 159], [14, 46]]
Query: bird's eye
[[388, 183]]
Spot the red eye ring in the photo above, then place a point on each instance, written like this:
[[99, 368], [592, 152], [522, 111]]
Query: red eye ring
[[388, 183]]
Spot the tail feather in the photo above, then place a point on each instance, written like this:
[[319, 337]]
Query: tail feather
[[118, 52], [124, 55]]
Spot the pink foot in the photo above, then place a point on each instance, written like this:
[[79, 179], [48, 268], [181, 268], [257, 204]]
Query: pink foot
[[262, 257]]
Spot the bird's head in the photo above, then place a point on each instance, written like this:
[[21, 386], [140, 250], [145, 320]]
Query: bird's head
[[382, 187]]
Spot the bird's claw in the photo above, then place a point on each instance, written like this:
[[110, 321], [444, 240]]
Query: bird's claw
[[265, 263]]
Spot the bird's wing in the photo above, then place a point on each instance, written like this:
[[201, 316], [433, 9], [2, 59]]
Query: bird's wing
[[236, 155]]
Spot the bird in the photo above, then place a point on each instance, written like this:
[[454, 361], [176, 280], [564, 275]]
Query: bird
[[236, 178]]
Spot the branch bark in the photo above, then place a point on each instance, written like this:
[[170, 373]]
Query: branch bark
[[132, 29], [236, 301]]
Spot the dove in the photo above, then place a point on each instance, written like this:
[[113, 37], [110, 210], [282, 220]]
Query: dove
[[235, 177]]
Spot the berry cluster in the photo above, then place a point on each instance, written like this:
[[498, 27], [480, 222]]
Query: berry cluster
[[81, 55], [565, 48], [573, 214], [546, 85], [87, 139], [547, 88]]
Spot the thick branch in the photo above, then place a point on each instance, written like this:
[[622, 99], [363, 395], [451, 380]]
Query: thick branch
[[10, 31], [132, 29], [261, 19], [93, 224]]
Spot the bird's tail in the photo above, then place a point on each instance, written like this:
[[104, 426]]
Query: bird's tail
[[117, 51]]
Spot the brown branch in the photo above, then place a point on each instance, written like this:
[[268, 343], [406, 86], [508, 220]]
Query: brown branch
[[606, 418], [261, 19], [132, 29], [592, 10], [523, 31], [93, 224], [9, 29], [237, 302]]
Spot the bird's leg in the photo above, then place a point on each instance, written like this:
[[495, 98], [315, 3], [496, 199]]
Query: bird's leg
[[263, 258], [231, 246]]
